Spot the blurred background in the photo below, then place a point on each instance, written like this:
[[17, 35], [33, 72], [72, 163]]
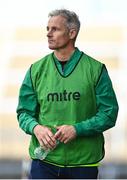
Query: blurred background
[[103, 35]]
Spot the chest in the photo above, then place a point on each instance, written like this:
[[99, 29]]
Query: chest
[[52, 86]]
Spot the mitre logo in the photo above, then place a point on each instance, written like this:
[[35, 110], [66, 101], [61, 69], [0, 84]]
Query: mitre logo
[[63, 96]]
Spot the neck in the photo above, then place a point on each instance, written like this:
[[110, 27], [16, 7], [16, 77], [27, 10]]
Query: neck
[[64, 54]]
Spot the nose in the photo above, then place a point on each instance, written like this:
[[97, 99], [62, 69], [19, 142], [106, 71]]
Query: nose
[[49, 33]]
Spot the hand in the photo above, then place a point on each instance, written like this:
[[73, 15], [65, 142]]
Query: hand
[[65, 133], [45, 137]]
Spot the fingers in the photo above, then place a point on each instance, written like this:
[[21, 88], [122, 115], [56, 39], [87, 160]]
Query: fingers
[[65, 133], [58, 134], [61, 137], [45, 137], [49, 142]]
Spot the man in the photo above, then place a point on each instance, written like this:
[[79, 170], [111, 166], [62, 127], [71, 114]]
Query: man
[[72, 92]]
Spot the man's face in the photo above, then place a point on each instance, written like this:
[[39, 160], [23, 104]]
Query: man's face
[[58, 33]]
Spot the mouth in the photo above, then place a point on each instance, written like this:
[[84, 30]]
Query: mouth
[[50, 41]]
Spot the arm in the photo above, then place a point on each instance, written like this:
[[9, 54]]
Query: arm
[[107, 108], [105, 118], [27, 105], [28, 111]]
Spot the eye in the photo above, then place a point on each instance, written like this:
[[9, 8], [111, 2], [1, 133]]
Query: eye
[[54, 29]]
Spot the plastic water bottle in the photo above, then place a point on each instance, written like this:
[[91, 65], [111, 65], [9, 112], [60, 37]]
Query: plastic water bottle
[[41, 153]]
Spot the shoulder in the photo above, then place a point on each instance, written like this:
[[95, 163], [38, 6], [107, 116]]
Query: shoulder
[[92, 61], [42, 60], [93, 66], [41, 63]]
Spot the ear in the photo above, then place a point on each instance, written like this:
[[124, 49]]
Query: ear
[[72, 33]]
